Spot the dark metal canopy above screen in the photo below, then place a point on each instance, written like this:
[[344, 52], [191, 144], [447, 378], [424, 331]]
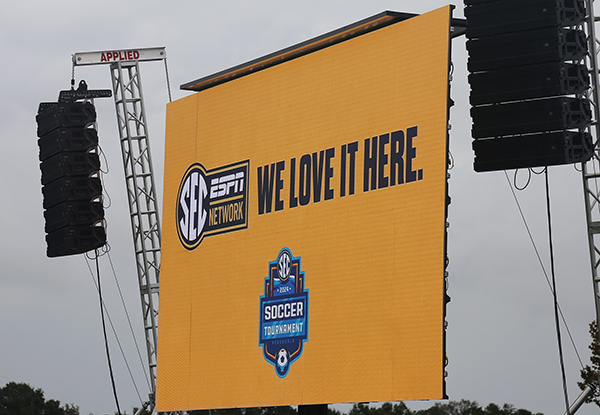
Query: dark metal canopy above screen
[[347, 32]]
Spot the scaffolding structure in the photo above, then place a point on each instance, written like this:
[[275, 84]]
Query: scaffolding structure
[[591, 169], [141, 195]]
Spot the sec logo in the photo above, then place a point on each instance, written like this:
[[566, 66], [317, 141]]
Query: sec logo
[[284, 265], [192, 206]]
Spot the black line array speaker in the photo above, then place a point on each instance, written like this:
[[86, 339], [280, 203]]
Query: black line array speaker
[[527, 77], [72, 190]]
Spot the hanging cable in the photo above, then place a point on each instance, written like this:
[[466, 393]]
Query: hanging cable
[[542, 266], [556, 321], [72, 72], [101, 174], [104, 160], [112, 377], [116, 336], [515, 179]]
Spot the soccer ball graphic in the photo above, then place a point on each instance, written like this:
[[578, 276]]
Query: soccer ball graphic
[[284, 266], [282, 358]]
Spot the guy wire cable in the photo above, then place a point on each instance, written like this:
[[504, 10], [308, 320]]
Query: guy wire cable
[[135, 341], [542, 266], [556, 320], [112, 377], [117, 337]]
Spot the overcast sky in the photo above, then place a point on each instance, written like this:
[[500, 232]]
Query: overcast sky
[[502, 344]]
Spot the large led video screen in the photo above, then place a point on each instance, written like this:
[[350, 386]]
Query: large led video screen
[[303, 244]]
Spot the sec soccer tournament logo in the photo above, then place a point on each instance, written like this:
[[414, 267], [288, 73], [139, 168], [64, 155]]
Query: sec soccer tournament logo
[[284, 312], [211, 202]]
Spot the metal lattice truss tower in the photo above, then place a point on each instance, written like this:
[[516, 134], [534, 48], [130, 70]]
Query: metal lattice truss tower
[[591, 169], [141, 195]]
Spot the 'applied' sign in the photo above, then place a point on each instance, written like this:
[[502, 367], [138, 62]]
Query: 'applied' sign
[[123, 55]]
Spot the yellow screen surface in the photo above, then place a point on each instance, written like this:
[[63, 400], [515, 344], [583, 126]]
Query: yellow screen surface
[[303, 229]]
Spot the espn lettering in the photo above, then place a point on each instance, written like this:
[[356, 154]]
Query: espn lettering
[[204, 211], [226, 185]]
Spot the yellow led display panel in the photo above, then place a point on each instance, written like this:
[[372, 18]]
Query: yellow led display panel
[[303, 228]]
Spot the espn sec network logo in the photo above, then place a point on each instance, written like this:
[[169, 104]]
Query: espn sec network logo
[[211, 202]]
